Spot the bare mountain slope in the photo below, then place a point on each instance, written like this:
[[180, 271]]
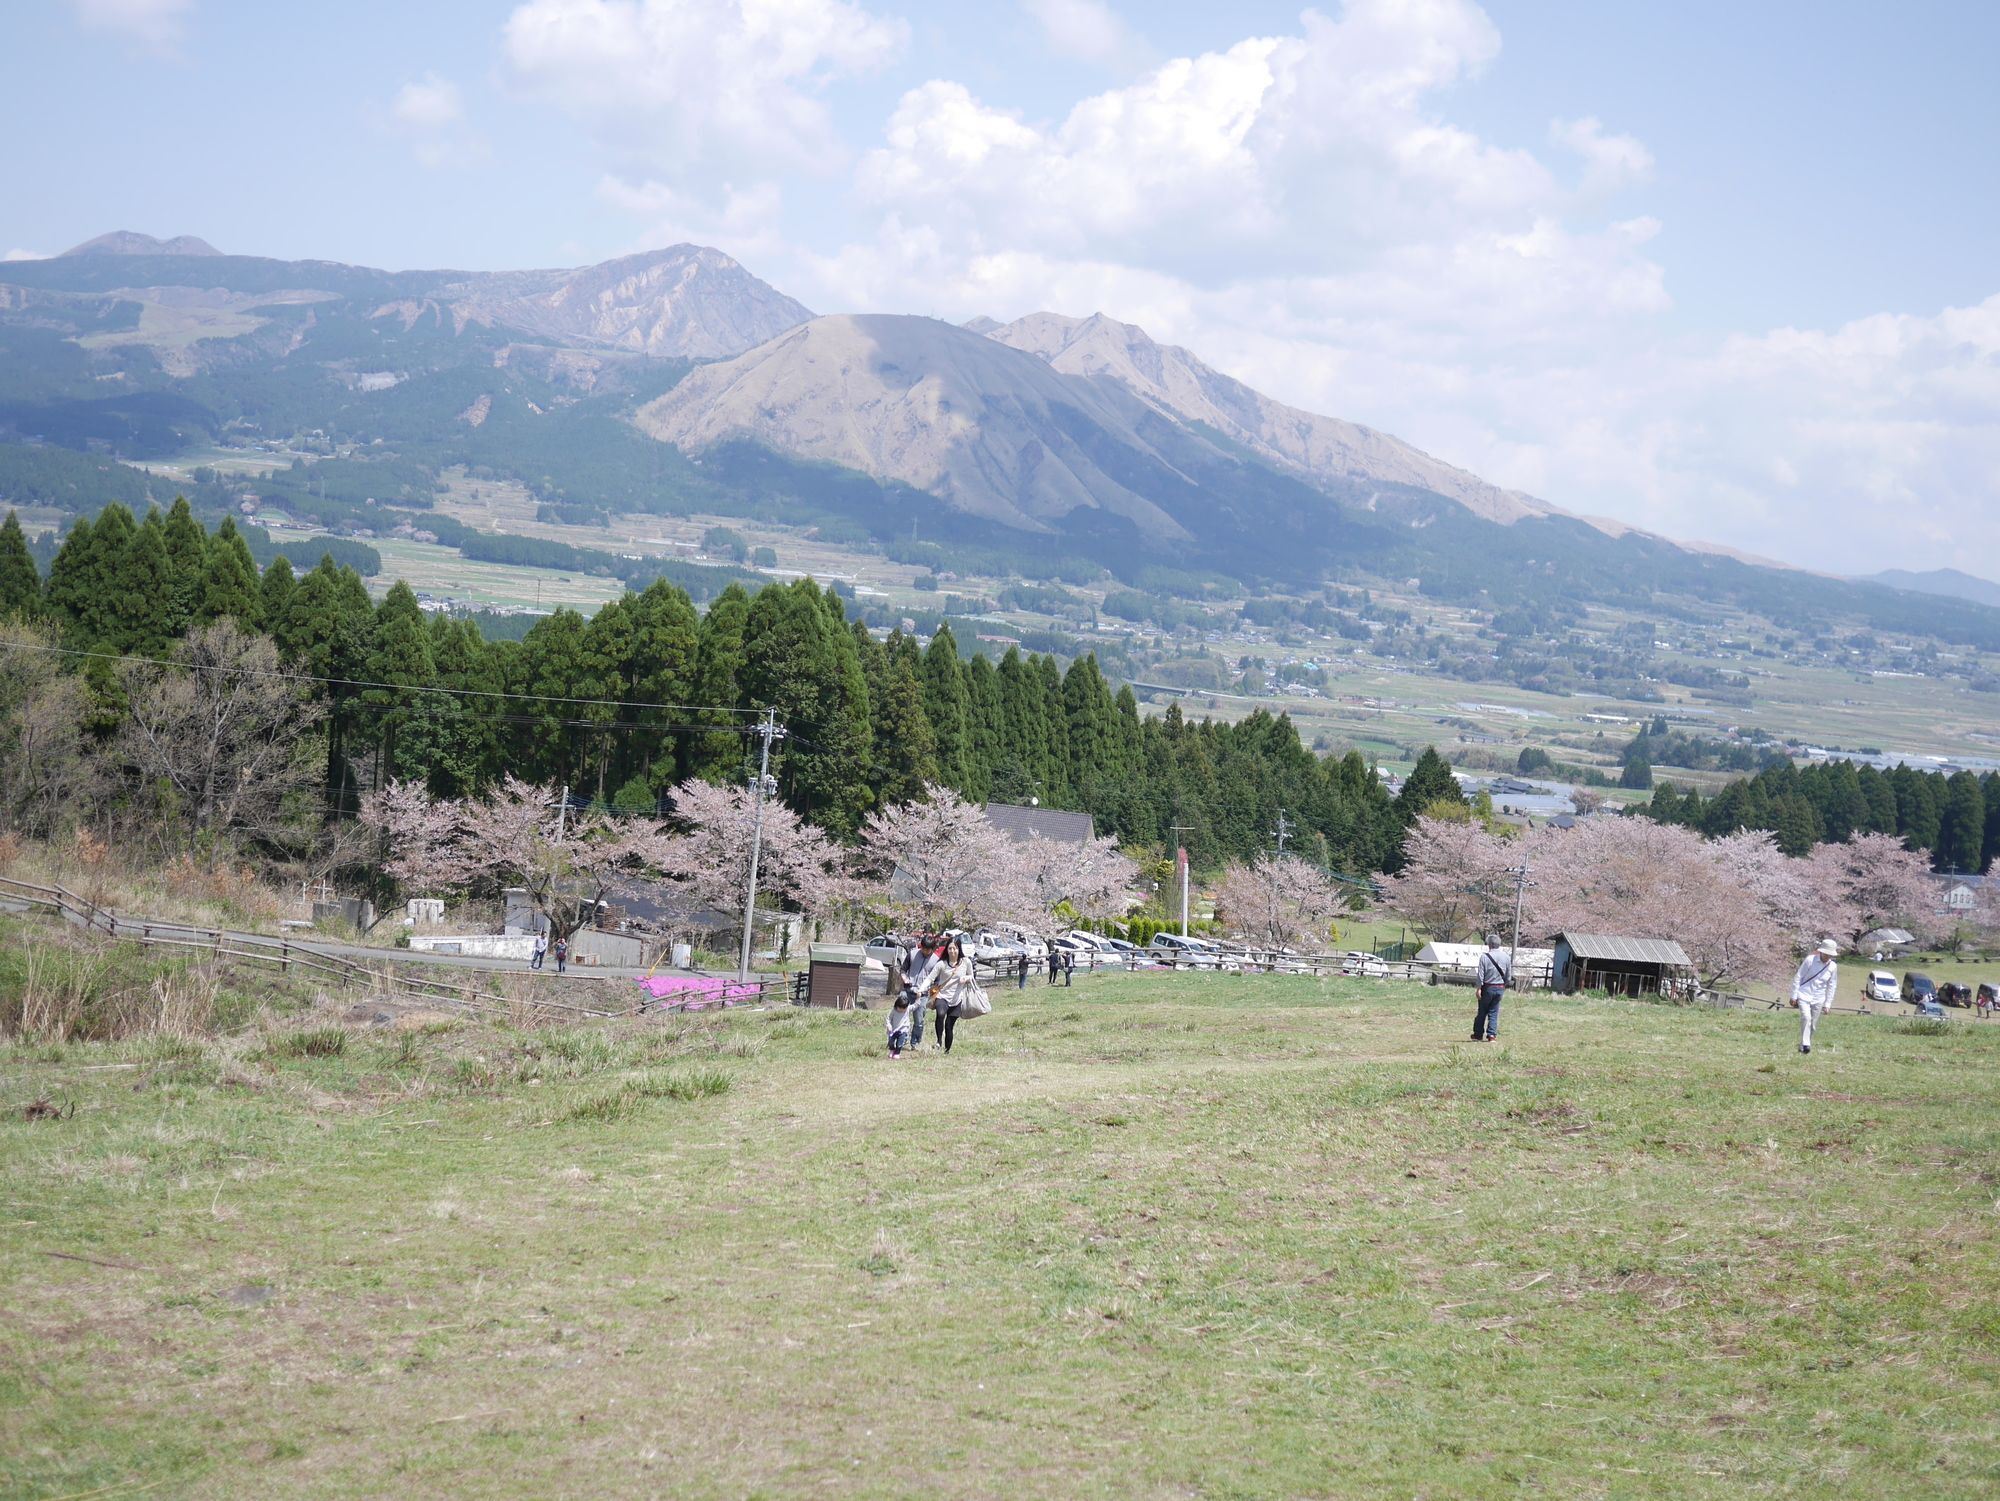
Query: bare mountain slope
[[130, 242], [686, 300], [994, 431], [1323, 449]]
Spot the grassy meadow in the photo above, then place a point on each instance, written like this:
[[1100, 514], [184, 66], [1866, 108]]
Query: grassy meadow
[[1153, 1236]]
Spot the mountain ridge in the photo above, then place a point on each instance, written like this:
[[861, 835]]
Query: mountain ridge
[[1942, 583]]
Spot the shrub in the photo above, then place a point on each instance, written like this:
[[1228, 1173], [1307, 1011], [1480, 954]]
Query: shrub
[[310, 1042]]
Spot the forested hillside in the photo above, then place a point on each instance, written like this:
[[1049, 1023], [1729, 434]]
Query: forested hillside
[[647, 691]]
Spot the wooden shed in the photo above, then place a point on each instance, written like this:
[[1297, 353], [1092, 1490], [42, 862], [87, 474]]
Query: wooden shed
[[833, 975], [1624, 966]]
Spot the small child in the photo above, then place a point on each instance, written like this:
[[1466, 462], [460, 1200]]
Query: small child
[[899, 1022]]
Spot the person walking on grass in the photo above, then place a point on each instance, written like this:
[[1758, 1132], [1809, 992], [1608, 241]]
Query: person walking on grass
[[955, 977], [1495, 974], [899, 1023], [921, 975], [1813, 989]]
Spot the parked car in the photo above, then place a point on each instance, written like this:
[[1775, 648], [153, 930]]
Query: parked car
[[1953, 994], [997, 948], [1879, 986], [1919, 988], [883, 948], [1037, 950], [1370, 965], [1189, 952]]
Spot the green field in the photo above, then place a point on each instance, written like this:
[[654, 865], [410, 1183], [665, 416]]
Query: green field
[[1156, 1236]]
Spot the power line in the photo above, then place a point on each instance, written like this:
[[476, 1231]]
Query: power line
[[306, 677]]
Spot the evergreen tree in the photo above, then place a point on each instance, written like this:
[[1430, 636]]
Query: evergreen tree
[[68, 583], [1637, 773], [1795, 823], [905, 753], [326, 633], [666, 647], [229, 580], [717, 756], [144, 599], [1048, 704], [947, 706], [1880, 794], [20, 584], [986, 727], [399, 658], [1430, 781], [1961, 843], [275, 591], [187, 550], [551, 666], [1991, 851]]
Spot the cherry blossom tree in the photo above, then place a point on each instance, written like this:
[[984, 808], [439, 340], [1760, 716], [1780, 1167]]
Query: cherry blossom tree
[[517, 836], [709, 851], [1454, 882], [1726, 903], [1279, 900], [1870, 882], [1091, 877], [940, 862]]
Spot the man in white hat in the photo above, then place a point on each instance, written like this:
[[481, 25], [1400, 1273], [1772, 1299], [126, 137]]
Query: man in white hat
[[1813, 988]]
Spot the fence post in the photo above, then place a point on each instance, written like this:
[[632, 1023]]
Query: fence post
[[285, 955]]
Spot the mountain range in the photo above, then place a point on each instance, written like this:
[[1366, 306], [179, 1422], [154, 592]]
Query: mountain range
[[678, 381], [1945, 583]]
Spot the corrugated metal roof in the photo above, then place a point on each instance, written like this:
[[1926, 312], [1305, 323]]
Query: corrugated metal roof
[[1630, 950], [1051, 823]]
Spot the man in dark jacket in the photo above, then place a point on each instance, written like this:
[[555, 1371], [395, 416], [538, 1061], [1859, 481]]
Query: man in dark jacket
[[1496, 973]]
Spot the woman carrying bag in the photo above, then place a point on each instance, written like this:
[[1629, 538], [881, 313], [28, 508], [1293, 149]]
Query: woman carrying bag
[[954, 986]]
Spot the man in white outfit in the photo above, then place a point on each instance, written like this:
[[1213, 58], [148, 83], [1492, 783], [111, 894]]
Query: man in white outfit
[[1813, 989]]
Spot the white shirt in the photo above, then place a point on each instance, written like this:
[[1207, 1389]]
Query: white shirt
[[1817, 980], [957, 979]]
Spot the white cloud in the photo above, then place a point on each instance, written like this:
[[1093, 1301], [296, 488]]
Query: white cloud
[[431, 103], [155, 25], [1302, 211], [1609, 161], [1088, 30], [695, 91], [430, 114], [18, 254]]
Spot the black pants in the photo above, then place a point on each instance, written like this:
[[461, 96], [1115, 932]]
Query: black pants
[[1486, 1021], [947, 1023]]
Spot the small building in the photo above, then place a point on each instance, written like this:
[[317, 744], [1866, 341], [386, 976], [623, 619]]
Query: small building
[[1458, 964], [1623, 966], [833, 975]]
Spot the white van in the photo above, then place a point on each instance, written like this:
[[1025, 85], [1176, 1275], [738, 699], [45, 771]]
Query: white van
[[1881, 986]]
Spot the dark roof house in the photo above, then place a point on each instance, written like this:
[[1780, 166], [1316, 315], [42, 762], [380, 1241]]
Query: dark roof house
[[1050, 823]]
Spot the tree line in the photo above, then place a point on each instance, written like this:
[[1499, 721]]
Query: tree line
[[624, 705], [1953, 816]]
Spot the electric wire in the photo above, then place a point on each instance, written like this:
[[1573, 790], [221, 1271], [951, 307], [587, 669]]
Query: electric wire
[[307, 677]]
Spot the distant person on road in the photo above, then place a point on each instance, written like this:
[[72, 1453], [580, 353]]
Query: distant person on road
[[562, 955], [1813, 989], [1495, 974], [955, 977], [540, 949]]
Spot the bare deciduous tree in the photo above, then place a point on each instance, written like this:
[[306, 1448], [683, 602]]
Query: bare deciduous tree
[[218, 736], [47, 777]]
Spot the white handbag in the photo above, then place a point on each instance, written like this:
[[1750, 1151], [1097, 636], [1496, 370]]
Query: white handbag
[[974, 1002]]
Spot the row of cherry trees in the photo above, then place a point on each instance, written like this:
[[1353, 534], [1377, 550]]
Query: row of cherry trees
[[1740, 907], [936, 862]]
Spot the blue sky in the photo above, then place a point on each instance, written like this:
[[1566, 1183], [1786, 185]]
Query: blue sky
[[1720, 270]]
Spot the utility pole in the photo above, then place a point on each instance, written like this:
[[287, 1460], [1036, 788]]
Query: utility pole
[[1180, 847], [562, 815], [1521, 884], [767, 732], [1283, 831]]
